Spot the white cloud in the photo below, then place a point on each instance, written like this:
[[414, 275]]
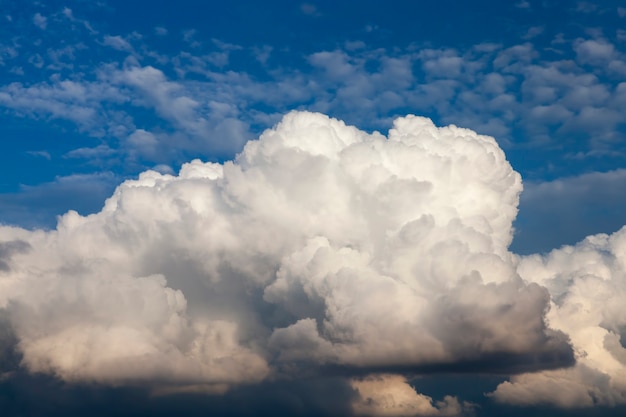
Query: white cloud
[[443, 66], [478, 87], [515, 58], [335, 64], [63, 99], [309, 9], [533, 32], [8, 52], [550, 115], [309, 261], [204, 125], [320, 245], [40, 21], [67, 12], [91, 153], [391, 395], [586, 7], [595, 52], [40, 154], [142, 141], [586, 282], [117, 42]]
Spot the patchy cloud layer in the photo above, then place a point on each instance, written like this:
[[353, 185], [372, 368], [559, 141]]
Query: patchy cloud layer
[[319, 249]]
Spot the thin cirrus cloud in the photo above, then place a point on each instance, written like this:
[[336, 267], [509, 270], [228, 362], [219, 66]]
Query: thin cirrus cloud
[[320, 250]]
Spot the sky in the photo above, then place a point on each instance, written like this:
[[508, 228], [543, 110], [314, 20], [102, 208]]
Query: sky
[[400, 208]]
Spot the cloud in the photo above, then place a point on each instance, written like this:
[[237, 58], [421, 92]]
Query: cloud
[[40, 21], [204, 125], [587, 286], [319, 249], [78, 102], [391, 395], [586, 7], [309, 9], [94, 106], [515, 92], [533, 32], [41, 395], [444, 65], [306, 317], [7, 249], [595, 52], [117, 42]]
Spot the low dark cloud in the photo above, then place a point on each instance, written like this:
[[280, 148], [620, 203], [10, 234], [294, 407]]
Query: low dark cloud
[[38, 395]]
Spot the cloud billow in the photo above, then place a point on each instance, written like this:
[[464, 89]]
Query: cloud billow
[[319, 249]]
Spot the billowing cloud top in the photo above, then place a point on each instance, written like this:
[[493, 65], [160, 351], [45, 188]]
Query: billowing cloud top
[[320, 248]]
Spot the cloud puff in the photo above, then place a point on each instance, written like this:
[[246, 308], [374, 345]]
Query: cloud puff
[[391, 395], [587, 284], [319, 248]]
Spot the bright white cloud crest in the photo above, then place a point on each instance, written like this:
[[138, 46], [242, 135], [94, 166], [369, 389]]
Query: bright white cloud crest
[[319, 245]]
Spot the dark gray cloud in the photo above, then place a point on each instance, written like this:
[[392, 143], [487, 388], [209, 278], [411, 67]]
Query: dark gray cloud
[[40, 396]]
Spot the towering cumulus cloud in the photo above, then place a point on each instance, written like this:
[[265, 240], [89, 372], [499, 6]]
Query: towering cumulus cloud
[[321, 249]]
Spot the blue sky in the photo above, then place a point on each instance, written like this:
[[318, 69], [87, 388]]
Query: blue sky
[[94, 93]]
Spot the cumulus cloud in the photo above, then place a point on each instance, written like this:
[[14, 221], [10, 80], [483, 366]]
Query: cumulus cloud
[[391, 395], [117, 42], [593, 51], [587, 283], [320, 248], [40, 21]]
